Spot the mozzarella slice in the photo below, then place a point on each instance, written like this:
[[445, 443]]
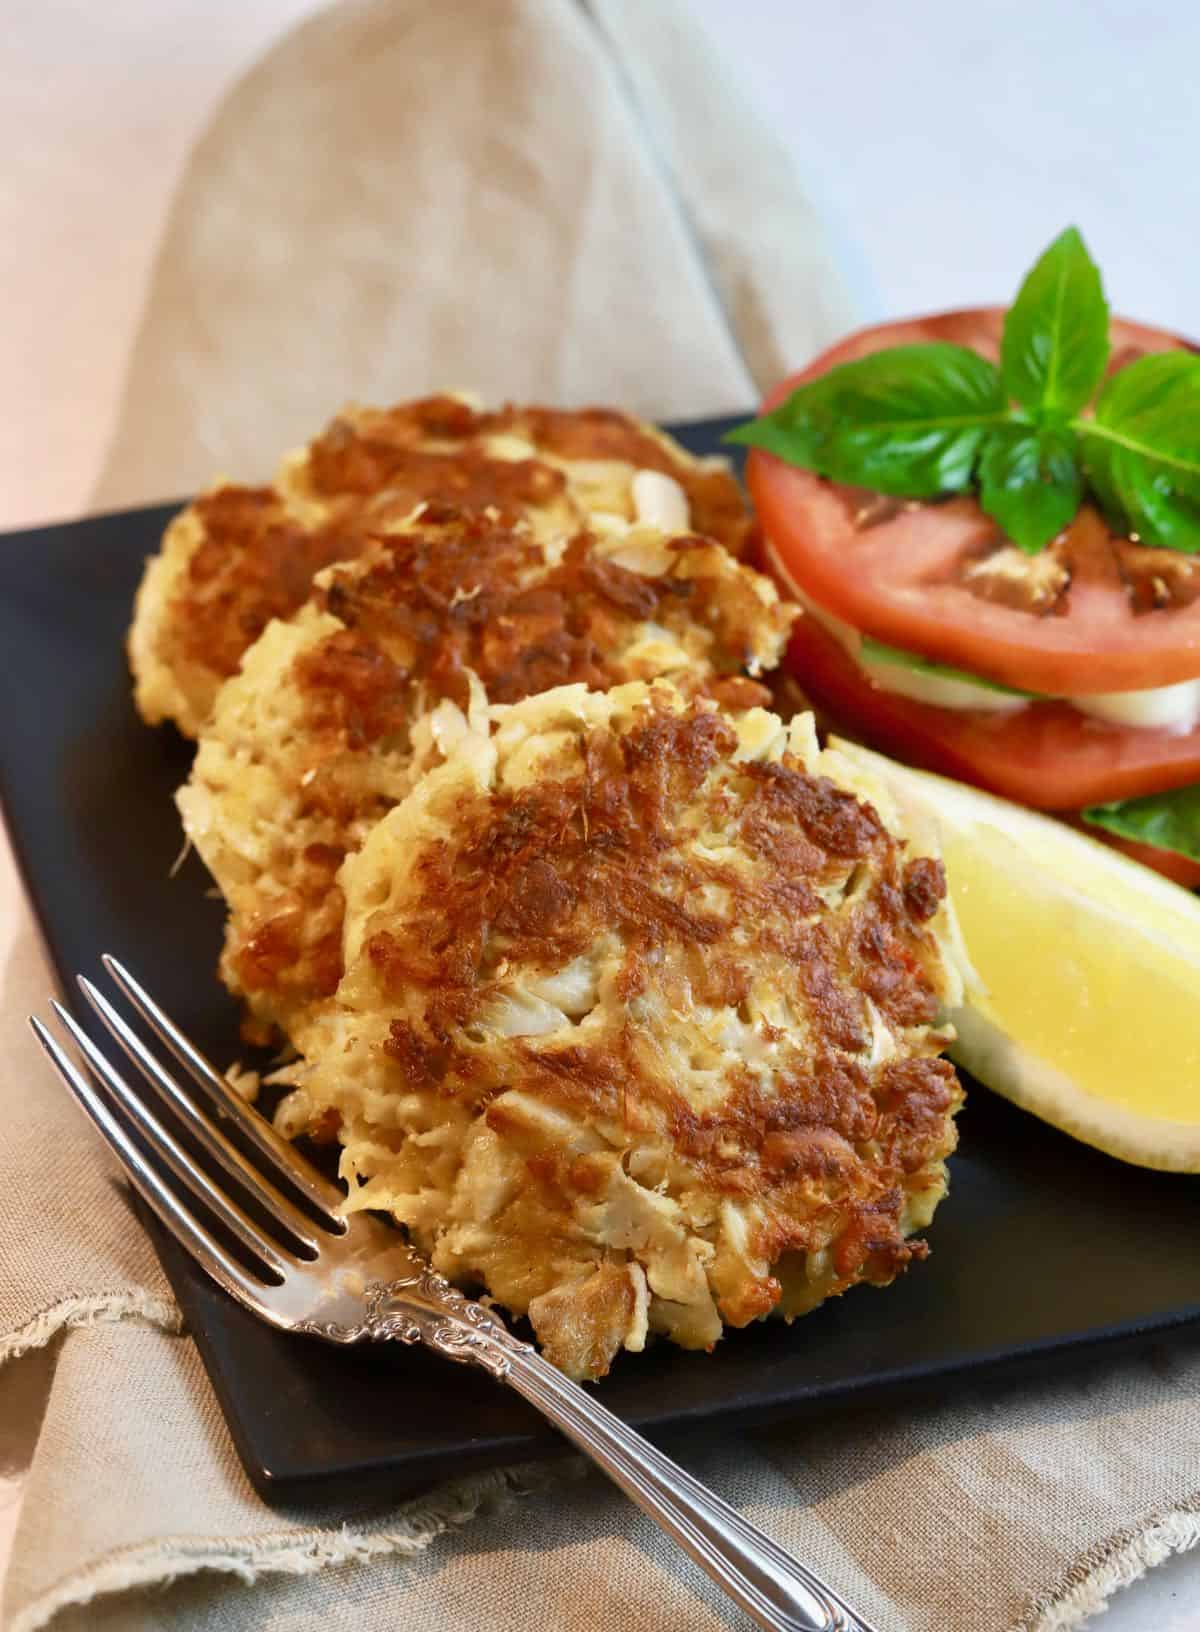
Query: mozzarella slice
[[1162, 708]]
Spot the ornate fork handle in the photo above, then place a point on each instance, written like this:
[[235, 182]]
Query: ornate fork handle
[[775, 1591]]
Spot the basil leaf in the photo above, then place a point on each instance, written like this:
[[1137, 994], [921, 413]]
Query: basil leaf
[[1168, 821], [875, 651], [908, 422], [1142, 450], [1030, 482], [1055, 344]]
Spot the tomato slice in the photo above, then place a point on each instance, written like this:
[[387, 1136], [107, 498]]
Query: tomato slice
[[1093, 612], [1047, 755]]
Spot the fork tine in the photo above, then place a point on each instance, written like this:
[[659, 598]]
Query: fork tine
[[213, 1140], [159, 1197], [312, 1184], [172, 1154]]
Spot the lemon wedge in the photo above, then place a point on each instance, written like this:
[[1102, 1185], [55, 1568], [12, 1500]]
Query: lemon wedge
[[1086, 1005]]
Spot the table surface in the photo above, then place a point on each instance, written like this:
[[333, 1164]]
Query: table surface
[[945, 144]]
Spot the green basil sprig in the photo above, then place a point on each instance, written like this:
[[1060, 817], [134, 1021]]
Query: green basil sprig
[[923, 421], [910, 421], [1142, 450], [1168, 821], [1054, 348]]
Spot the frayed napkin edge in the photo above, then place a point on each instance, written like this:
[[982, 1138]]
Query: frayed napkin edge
[[120, 1304], [1123, 1559], [294, 1552]]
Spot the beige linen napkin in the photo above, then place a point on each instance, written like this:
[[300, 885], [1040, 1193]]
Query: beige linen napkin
[[537, 199], [543, 199]]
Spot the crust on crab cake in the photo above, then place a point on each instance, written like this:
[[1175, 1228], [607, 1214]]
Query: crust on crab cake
[[239, 556], [335, 713], [639, 1025]]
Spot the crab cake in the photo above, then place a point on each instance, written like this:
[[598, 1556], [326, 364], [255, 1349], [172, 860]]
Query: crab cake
[[239, 556], [337, 711], [639, 1024]]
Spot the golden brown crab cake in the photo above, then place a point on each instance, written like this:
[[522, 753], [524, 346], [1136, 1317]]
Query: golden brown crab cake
[[639, 1025], [336, 712], [238, 556]]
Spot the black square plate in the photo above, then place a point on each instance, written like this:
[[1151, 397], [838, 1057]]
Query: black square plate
[[1042, 1250]]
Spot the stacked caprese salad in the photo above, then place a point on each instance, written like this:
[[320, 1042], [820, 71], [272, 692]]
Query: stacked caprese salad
[[992, 519]]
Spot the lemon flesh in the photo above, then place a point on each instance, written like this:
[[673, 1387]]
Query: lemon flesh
[[1086, 1005]]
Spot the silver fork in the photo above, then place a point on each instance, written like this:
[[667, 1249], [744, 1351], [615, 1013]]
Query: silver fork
[[346, 1280]]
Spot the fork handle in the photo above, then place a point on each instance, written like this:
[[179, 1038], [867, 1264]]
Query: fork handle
[[774, 1590], [778, 1593]]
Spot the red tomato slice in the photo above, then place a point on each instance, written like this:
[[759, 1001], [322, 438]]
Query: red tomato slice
[[1047, 755], [1092, 612]]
